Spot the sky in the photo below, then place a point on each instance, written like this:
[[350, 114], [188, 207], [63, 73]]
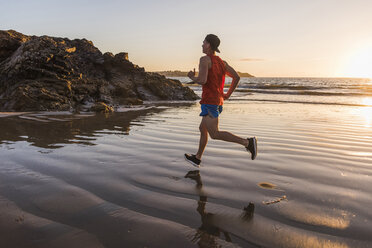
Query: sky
[[266, 38]]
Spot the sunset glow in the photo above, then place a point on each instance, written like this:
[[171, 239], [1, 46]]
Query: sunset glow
[[365, 114], [314, 39], [367, 101], [359, 63]]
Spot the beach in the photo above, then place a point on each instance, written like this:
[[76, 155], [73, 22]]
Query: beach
[[120, 180], [100, 124]]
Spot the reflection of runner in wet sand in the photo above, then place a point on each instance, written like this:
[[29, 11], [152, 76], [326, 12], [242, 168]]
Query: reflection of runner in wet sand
[[208, 231], [212, 71]]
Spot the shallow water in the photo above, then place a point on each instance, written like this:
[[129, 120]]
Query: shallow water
[[121, 180]]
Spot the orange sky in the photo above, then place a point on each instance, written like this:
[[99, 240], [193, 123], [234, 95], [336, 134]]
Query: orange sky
[[319, 38]]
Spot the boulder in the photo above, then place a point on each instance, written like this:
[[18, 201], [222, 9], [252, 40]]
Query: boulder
[[42, 73]]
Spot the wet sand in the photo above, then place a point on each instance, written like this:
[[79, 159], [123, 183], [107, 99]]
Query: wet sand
[[120, 180]]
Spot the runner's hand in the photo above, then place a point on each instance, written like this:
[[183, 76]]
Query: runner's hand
[[191, 74]]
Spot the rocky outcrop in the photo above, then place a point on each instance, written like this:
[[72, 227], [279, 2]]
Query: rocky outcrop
[[48, 73]]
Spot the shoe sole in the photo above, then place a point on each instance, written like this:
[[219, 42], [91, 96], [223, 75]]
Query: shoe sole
[[254, 148], [196, 165]]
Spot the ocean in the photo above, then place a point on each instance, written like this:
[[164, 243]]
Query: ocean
[[333, 91]]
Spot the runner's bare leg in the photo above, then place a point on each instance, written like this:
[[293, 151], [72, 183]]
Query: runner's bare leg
[[212, 127], [203, 139]]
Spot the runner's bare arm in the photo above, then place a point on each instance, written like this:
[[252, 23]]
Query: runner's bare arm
[[235, 80], [203, 71]]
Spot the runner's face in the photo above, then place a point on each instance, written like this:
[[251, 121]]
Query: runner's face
[[205, 46]]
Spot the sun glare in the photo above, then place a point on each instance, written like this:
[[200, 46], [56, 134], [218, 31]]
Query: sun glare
[[359, 63], [367, 101], [366, 114]]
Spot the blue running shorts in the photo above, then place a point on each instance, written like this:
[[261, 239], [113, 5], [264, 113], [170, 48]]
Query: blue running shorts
[[212, 110]]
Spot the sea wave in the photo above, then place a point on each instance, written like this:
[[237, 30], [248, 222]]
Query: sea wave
[[300, 102], [304, 92]]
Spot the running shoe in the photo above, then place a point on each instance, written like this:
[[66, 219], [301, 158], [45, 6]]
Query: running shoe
[[252, 147], [191, 158]]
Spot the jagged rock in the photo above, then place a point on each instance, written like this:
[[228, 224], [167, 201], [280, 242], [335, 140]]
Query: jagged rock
[[50, 73], [101, 108]]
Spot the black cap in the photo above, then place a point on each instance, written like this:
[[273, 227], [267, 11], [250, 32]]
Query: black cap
[[214, 41]]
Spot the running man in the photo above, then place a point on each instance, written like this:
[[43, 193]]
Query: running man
[[212, 71]]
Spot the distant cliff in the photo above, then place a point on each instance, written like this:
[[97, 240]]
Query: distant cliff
[[184, 73], [50, 73], [244, 74]]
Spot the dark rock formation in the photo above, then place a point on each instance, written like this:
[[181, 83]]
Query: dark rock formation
[[49, 73]]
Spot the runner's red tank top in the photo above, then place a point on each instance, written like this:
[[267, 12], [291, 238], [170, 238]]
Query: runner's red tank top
[[213, 88]]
